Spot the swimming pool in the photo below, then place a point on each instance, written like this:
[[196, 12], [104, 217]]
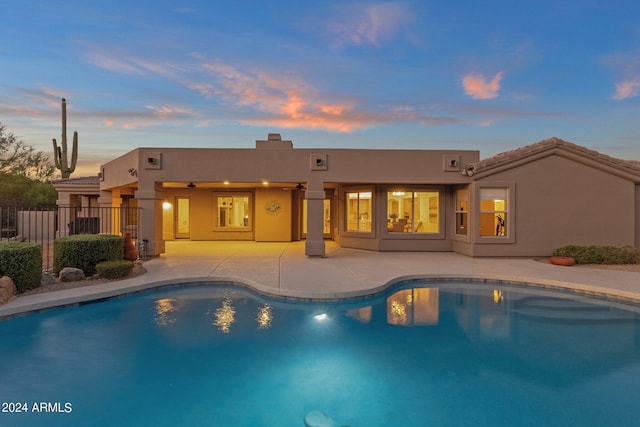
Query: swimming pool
[[420, 354]]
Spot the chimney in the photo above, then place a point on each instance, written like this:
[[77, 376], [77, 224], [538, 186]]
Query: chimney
[[274, 140]]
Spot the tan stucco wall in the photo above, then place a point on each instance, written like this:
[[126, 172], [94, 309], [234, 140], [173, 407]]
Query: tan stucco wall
[[272, 226], [155, 167], [116, 172], [291, 165], [202, 218], [561, 201], [557, 200]]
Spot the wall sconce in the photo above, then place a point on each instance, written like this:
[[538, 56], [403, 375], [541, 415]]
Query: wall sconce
[[133, 172]]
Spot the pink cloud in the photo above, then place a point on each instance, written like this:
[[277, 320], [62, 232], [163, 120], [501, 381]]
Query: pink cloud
[[370, 23], [627, 89], [477, 87], [285, 99], [258, 96]]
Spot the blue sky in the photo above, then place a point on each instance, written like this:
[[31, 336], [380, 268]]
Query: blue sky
[[490, 75]]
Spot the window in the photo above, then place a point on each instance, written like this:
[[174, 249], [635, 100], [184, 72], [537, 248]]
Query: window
[[233, 211], [413, 211], [462, 211], [359, 210], [493, 212]]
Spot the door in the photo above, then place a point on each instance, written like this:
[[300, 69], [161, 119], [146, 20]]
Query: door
[[182, 218]]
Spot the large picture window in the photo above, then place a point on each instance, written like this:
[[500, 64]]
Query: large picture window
[[359, 205], [493, 212], [233, 211], [413, 211]]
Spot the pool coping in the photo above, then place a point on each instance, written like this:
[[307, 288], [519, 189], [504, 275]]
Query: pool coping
[[67, 298]]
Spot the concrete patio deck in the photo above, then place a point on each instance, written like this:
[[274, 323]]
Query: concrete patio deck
[[282, 269]]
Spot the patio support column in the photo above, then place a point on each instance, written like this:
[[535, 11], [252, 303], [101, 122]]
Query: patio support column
[[315, 194], [150, 202]]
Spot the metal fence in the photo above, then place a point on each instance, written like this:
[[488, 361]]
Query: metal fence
[[44, 225]]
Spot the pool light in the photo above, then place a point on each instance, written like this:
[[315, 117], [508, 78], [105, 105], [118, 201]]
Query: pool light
[[321, 317]]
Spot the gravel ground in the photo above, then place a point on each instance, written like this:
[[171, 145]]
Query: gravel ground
[[58, 285]]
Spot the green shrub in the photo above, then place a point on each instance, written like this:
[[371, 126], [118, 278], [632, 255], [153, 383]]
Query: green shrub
[[22, 262], [84, 251], [600, 254], [114, 269]]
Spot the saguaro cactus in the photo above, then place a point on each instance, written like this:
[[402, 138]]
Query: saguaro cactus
[[60, 153]]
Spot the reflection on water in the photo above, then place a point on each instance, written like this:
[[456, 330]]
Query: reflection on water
[[362, 314], [163, 309], [432, 356], [225, 315], [416, 306], [397, 313], [264, 317]]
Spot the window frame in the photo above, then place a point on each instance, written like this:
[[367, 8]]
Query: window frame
[[510, 222], [420, 235], [469, 214], [216, 216], [372, 214]]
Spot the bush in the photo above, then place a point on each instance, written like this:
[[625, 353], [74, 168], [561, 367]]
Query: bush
[[600, 254], [22, 262], [114, 269], [84, 251]]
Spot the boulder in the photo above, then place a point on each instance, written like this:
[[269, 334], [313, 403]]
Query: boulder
[[71, 274], [47, 279], [8, 289]]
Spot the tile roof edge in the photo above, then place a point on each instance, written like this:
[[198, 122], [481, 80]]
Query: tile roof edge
[[547, 144]]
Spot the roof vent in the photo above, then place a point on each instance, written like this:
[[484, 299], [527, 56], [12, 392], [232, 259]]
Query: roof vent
[[274, 137]]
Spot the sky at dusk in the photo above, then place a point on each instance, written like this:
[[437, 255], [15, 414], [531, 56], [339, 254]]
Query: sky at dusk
[[486, 75]]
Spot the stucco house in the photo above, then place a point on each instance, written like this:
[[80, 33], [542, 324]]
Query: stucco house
[[525, 202]]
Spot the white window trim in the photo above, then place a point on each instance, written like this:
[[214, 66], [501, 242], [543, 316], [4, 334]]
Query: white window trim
[[343, 196], [511, 212]]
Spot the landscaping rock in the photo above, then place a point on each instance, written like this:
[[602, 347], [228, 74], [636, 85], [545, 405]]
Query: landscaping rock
[[8, 289], [48, 279], [71, 274]]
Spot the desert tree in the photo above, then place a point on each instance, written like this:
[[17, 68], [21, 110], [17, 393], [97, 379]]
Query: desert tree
[[19, 158]]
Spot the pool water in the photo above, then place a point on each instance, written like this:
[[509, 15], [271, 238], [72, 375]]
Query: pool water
[[422, 354]]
